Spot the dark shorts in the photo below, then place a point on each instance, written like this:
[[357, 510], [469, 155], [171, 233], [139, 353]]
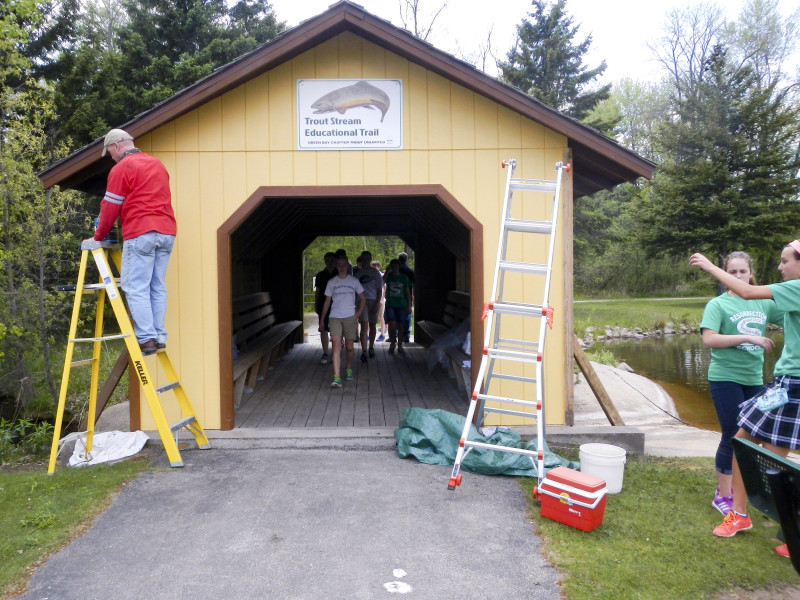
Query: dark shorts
[[779, 427], [370, 312], [397, 315]]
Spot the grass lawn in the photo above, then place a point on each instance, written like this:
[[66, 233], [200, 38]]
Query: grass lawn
[[41, 513], [656, 542], [637, 312]]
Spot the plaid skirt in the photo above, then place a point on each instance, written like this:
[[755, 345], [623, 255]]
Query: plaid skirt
[[779, 427]]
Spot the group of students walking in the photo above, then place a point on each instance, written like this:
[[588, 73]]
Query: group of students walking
[[734, 326], [350, 302]]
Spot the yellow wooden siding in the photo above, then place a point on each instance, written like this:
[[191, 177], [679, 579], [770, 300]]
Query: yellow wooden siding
[[220, 153]]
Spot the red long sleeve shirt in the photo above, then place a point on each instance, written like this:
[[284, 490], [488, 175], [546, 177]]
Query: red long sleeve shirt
[[138, 193]]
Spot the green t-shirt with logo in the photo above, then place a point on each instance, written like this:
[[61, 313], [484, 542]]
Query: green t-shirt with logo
[[787, 298], [396, 286], [731, 315]]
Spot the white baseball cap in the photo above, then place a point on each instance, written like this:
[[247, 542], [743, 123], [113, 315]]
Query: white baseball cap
[[114, 136]]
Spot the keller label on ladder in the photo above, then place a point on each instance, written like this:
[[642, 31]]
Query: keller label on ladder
[[111, 289]]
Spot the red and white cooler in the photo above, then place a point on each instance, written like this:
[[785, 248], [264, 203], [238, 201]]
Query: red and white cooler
[[573, 498]]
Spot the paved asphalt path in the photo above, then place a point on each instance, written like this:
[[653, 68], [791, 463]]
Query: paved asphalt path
[[340, 519]]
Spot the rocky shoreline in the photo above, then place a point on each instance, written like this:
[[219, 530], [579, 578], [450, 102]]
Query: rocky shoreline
[[637, 333]]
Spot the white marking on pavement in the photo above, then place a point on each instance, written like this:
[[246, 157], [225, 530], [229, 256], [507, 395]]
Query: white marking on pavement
[[397, 587]]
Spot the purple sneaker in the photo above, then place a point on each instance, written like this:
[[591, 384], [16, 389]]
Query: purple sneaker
[[723, 504]]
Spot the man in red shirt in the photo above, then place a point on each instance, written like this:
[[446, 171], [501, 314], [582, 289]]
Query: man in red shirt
[[138, 193]]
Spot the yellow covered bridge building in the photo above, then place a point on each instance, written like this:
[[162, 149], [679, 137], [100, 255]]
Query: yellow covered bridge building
[[274, 149]]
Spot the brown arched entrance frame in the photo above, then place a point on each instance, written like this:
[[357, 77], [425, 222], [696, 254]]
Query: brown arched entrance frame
[[435, 192]]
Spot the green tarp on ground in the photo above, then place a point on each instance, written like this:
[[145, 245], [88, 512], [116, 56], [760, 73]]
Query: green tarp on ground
[[431, 436]]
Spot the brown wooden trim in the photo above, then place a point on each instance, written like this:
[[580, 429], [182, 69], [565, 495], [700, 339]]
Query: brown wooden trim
[[566, 221], [624, 164], [476, 301], [225, 300], [225, 316]]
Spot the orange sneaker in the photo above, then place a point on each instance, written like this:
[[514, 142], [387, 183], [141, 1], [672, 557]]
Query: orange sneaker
[[783, 550], [732, 524]]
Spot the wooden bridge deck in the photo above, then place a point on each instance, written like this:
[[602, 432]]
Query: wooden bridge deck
[[297, 392]]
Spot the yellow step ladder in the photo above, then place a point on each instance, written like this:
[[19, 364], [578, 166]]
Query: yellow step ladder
[[107, 287], [503, 346]]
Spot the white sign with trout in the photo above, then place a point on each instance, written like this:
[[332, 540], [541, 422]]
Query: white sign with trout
[[349, 114]]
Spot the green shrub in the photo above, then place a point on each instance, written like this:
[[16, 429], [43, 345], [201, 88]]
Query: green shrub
[[602, 356]]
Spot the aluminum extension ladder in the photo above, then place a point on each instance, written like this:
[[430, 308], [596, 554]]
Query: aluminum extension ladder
[[500, 346], [107, 287]]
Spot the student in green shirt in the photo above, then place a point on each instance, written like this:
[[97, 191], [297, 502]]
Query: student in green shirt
[[734, 330], [398, 304]]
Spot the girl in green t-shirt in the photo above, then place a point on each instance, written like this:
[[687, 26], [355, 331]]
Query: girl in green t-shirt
[[734, 330]]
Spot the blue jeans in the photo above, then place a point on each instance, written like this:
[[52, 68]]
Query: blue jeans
[[727, 396], [144, 269]]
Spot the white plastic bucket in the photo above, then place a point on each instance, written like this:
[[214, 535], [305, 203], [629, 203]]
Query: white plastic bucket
[[606, 462]]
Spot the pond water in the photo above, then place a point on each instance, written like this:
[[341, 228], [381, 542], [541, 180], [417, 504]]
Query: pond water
[[679, 363]]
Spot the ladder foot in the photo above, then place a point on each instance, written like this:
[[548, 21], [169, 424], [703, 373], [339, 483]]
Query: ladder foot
[[176, 464], [204, 446], [454, 482]]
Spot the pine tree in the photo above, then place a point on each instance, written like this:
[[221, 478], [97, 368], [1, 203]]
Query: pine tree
[[129, 55], [546, 64], [728, 178]]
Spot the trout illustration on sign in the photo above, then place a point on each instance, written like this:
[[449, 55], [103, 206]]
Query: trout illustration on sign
[[352, 96]]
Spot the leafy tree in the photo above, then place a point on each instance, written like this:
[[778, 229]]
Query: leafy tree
[[32, 222], [168, 45], [129, 55], [50, 37], [638, 108], [547, 64], [685, 49], [728, 179], [763, 40]]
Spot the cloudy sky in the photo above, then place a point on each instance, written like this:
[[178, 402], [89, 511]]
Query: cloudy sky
[[620, 29]]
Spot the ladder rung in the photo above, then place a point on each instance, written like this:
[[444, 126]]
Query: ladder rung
[[508, 265], [514, 377], [511, 449], [512, 354], [532, 185], [522, 345], [104, 338], [182, 423], [515, 413], [504, 400], [168, 386], [520, 225], [99, 286], [80, 363], [513, 308], [87, 287]]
